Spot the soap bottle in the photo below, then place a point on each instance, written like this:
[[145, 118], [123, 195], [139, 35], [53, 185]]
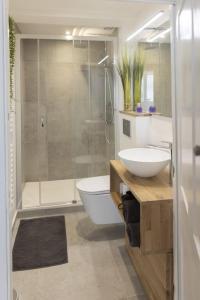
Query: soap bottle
[[139, 108], [152, 109]]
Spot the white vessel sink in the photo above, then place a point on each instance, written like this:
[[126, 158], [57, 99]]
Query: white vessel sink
[[144, 162]]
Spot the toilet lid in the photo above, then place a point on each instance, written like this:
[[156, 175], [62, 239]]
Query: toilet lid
[[95, 185]]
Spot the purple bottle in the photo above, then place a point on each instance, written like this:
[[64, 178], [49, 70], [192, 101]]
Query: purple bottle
[[139, 108], [152, 109]]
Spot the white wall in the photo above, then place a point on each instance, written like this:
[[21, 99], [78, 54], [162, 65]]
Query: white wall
[[160, 129], [12, 162], [19, 75], [15, 172], [139, 131], [144, 130]]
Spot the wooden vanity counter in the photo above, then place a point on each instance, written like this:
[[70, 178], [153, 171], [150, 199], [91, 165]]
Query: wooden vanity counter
[[153, 260], [155, 189]]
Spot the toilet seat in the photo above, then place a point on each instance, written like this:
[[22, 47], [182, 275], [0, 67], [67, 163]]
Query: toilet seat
[[95, 185]]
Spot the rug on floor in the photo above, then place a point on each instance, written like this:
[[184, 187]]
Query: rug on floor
[[40, 243]]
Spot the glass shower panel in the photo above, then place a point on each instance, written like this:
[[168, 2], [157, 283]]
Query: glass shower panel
[[81, 109], [97, 52], [55, 121], [109, 104], [29, 123], [102, 105], [94, 145]]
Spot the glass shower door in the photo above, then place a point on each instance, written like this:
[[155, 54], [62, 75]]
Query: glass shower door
[[102, 105], [109, 104], [94, 144], [68, 117], [80, 112], [97, 52], [55, 133]]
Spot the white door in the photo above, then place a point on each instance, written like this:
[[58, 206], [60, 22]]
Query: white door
[[188, 171], [5, 231]]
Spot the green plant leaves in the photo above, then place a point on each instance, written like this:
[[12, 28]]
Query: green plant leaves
[[130, 67], [12, 43], [138, 71], [124, 67]]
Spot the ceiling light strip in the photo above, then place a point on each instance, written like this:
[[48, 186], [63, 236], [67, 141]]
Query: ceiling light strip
[[160, 35], [134, 34]]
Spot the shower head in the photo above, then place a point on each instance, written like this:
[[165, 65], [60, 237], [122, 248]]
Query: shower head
[[103, 59]]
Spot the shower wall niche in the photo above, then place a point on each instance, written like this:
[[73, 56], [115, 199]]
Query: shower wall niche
[[68, 109]]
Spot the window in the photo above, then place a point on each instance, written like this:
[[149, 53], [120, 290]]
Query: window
[[147, 86]]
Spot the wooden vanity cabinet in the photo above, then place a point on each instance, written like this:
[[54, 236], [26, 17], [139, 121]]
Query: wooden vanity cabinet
[[153, 260]]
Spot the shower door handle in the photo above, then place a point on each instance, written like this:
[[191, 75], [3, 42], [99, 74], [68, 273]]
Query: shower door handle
[[107, 135], [42, 122]]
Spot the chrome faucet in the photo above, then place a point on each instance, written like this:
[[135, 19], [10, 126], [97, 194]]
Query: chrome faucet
[[171, 167]]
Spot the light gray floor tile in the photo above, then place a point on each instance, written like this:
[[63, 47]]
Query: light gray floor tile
[[99, 267]]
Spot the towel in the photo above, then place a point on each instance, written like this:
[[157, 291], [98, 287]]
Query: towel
[[133, 232], [131, 208]]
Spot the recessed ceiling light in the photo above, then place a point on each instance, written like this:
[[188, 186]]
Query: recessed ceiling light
[[81, 32], [67, 32], [156, 17], [68, 37], [74, 31], [160, 35]]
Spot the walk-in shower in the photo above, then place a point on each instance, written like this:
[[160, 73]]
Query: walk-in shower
[[67, 117]]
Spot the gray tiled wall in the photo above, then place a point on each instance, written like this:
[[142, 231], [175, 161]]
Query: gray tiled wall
[[63, 89]]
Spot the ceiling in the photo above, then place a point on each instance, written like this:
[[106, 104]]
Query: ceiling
[[55, 29], [157, 28], [88, 17]]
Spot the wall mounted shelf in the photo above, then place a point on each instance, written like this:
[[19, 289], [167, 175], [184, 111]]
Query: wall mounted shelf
[[142, 114]]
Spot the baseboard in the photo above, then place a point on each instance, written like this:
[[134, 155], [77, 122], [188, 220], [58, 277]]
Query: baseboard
[[18, 209], [14, 219], [40, 212]]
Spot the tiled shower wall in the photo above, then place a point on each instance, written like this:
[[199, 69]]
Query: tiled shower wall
[[64, 91]]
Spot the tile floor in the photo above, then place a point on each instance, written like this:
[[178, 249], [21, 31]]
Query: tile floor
[[99, 267]]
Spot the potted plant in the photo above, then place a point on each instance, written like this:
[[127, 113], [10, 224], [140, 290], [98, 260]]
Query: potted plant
[[125, 72], [12, 43]]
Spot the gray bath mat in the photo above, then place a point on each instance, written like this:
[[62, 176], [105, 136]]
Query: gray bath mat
[[40, 243]]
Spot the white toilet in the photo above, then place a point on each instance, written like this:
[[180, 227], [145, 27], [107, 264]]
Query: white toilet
[[95, 195]]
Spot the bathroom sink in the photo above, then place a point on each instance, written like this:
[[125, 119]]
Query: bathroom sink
[[144, 162]]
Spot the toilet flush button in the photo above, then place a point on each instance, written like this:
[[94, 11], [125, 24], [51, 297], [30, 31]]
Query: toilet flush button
[[197, 150]]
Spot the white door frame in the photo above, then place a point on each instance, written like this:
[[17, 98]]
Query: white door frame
[[5, 226], [5, 223], [175, 156]]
